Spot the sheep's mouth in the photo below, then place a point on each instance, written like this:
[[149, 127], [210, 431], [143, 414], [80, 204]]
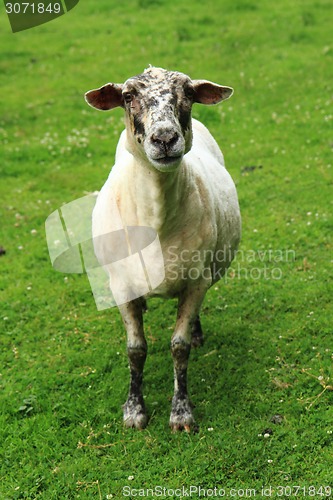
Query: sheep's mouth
[[168, 160]]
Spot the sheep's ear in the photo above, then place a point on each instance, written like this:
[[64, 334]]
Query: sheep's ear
[[207, 92], [107, 97]]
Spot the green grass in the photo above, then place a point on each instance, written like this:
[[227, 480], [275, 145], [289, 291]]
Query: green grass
[[268, 326]]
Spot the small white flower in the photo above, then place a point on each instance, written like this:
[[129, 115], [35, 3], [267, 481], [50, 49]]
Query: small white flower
[[33, 231], [270, 461], [210, 429], [28, 287], [130, 478], [266, 435]]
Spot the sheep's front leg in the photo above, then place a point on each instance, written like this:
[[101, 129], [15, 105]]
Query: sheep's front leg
[[181, 417], [135, 414]]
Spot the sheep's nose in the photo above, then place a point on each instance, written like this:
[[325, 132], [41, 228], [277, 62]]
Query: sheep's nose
[[165, 139]]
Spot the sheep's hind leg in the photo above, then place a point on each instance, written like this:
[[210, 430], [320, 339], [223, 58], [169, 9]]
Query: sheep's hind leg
[[197, 333], [135, 414]]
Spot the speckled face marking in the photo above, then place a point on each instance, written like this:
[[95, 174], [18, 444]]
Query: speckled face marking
[[158, 113]]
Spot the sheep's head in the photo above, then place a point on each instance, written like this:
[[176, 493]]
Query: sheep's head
[[158, 107]]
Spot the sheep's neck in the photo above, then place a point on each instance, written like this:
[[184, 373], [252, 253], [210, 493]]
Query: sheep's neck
[[158, 197]]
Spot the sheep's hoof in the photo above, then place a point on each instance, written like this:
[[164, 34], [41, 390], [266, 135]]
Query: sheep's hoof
[[189, 429], [135, 415], [181, 418]]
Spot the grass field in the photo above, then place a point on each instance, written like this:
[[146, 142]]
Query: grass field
[[263, 382]]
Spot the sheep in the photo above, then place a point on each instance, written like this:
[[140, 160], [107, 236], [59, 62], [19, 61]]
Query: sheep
[[168, 175]]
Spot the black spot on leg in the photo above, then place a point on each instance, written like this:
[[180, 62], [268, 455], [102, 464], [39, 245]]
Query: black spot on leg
[[181, 412], [137, 357], [182, 383], [180, 353]]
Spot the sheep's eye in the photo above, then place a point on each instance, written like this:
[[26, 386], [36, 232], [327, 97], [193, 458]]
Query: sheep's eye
[[127, 97], [189, 92]]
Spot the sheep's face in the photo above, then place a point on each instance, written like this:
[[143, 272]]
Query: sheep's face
[[158, 107], [158, 116]]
